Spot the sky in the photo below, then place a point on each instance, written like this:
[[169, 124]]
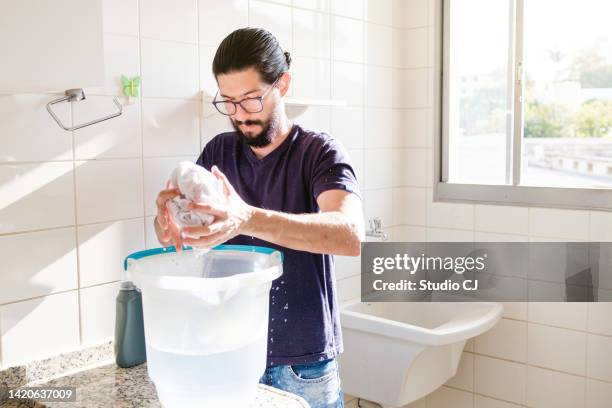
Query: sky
[[480, 32]]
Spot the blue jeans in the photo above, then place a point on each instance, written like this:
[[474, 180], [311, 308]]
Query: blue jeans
[[318, 383]]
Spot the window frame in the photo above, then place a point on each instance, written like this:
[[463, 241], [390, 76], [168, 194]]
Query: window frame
[[509, 194]]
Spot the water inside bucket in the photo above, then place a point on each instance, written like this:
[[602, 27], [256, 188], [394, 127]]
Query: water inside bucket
[[208, 380]]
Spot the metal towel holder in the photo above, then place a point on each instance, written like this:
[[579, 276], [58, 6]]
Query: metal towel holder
[[75, 95]]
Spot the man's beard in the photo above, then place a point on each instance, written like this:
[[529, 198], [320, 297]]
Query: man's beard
[[265, 137]]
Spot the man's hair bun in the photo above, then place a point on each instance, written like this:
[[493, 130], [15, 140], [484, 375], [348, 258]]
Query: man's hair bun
[[288, 59]]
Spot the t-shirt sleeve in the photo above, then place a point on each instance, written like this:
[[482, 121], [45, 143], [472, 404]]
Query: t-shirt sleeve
[[333, 170], [205, 159]]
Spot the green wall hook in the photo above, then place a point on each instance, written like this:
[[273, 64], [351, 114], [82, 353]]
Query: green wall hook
[[131, 87]]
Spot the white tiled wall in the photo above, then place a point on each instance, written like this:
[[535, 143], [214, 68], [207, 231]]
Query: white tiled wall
[[540, 355]]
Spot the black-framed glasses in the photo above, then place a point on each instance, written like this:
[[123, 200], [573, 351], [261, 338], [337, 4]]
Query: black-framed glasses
[[249, 105]]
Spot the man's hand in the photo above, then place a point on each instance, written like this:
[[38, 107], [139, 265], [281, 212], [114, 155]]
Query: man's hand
[[166, 230], [231, 218]]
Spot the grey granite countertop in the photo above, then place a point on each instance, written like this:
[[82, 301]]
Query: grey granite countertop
[[112, 386]]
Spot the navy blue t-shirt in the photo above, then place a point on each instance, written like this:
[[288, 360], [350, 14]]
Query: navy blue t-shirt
[[304, 323]]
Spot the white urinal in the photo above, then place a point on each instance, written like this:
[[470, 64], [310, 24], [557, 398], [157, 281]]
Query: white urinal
[[398, 352]]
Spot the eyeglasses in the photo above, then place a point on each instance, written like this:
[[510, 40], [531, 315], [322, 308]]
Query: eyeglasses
[[249, 105]]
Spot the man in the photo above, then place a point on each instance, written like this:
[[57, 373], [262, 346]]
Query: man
[[286, 188]]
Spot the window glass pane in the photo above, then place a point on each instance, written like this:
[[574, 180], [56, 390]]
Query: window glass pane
[[567, 113], [480, 96]]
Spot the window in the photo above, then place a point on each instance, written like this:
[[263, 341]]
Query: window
[[525, 102]]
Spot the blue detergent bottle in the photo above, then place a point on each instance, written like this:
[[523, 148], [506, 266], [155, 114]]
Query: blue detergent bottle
[[129, 327]]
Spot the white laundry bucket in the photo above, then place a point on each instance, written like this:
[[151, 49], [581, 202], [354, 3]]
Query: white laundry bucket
[[205, 321]]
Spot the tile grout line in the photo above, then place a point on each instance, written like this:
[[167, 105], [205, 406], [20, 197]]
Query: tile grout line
[[474, 393], [527, 352], [190, 98], [331, 14], [102, 159], [558, 327], [364, 95], [141, 130], [60, 292], [568, 328], [330, 109], [95, 285], [586, 352], [1, 366], [589, 236], [352, 62], [474, 366], [527, 335], [8, 234], [474, 223], [527, 364], [76, 227], [201, 91], [292, 32], [527, 304], [429, 204]]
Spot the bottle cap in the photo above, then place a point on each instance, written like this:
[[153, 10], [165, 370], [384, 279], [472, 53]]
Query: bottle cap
[[127, 285]]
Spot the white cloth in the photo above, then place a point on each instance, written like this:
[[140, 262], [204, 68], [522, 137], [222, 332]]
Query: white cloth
[[198, 185]]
